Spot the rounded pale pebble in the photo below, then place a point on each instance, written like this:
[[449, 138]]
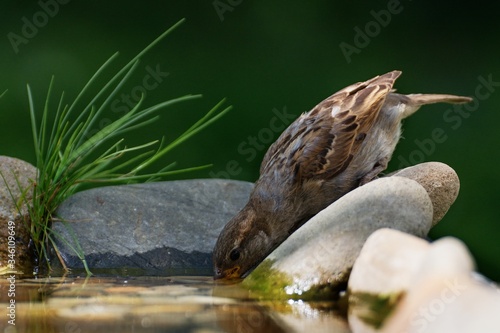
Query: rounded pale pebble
[[445, 297], [383, 271], [387, 262], [447, 256], [441, 293], [318, 257], [439, 180]]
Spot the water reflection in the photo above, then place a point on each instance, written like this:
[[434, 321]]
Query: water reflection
[[155, 304]]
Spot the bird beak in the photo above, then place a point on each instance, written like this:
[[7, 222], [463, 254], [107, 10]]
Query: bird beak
[[229, 274]]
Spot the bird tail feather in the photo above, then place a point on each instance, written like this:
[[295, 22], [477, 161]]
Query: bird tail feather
[[415, 101]]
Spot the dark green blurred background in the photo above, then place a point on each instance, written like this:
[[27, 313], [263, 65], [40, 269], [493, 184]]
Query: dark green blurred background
[[281, 56]]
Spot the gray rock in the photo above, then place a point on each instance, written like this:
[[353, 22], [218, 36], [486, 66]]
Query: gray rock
[[316, 260], [439, 180], [153, 227], [16, 177]]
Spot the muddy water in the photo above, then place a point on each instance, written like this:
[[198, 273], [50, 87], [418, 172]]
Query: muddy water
[[152, 304]]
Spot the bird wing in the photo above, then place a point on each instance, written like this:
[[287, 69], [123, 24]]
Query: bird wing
[[322, 142]]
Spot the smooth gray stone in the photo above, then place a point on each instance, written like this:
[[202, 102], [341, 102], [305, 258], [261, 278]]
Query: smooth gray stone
[[154, 226], [439, 180], [318, 257]]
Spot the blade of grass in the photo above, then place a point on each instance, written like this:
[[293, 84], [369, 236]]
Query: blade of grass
[[43, 126], [120, 84], [97, 139], [84, 90], [56, 126], [122, 178], [77, 249], [186, 135], [33, 125], [124, 68]]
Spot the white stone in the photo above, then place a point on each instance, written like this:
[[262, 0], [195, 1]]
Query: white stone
[[435, 282], [387, 262], [445, 297]]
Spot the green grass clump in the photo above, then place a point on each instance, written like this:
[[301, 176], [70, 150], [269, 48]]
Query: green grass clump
[[69, 155]]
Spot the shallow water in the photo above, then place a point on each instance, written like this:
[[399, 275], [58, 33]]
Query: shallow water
[[153, 304]]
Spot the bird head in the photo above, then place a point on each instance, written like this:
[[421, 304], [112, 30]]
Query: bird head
[[243, 243]]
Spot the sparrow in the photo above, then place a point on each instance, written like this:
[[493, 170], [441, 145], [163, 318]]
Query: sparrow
[[344, 142]]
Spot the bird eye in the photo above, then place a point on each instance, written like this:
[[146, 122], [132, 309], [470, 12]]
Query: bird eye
[[234, 254]]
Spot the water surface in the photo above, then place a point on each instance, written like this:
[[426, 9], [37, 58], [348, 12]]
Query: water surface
[[154, 304]]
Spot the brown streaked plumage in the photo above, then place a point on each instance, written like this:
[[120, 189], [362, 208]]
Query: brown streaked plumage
[[342, 143]]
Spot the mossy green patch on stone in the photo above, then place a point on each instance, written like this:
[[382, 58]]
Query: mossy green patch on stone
[[269, 283], [373, 309], [266, 282]]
